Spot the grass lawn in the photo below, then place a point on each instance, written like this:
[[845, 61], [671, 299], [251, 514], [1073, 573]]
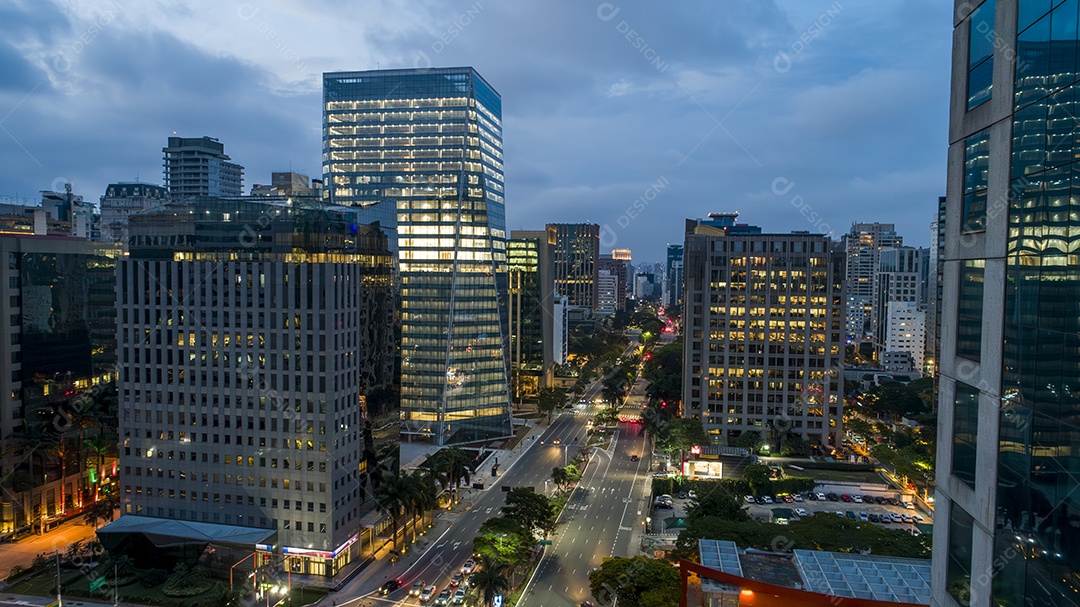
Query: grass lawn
[[305, 596]]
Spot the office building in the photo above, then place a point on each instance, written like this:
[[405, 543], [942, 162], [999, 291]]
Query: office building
[[256, 356], [618, 269], [763, 347], [121, 200], [289, 183], [863, 245], [607, 292], [198, 166], [901, 278], [935, 280], [645, 286], [421, 149], [1007, 504], [673, 277], [905, 328], [533, 339], [59, 345], [577, 259]]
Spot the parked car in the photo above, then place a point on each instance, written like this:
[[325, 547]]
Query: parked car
[[417, 588], [864, 516], [811, 496], [909, 505], [906, 518], [749, 499], [760, 501], [798, 498], [918, 519], [768, 499], [682, 495], [845, 498], [881, 499], [874, 518], [857, 499], [691, 494], [789, 499], [896, 518], [851, 515], [802, 512], [915, 531], [821, 497], [390, 586], [832, 497], [885, 519], [840, 513]]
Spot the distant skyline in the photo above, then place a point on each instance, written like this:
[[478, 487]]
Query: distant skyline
[[799, 114]]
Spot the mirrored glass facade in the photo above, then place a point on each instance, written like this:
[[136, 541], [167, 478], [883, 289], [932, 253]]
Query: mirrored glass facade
[[422, 150]]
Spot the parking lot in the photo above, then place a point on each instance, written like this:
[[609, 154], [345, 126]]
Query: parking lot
[[764, 511]]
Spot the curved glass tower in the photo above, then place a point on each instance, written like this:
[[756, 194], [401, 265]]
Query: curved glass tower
[[422, 150]]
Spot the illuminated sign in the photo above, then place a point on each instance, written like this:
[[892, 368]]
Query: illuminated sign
[[305, 552]]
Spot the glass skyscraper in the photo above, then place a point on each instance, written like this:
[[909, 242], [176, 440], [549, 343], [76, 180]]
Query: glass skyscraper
[[421, 150], [1008, 509]]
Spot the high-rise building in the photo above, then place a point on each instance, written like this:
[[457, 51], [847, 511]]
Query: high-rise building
[[1007, 499], [421, 149], [673, 277], [256, 368], [533, 339], [900, 278], [905, 328], [121, 200], [862, 246], [198, 166], [618, 269], [577, 262], [60, 343], [763, 326], [607, 292], [935, 280]]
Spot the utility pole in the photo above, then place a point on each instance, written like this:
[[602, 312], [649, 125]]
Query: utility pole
[[115, 588], [59, 598]]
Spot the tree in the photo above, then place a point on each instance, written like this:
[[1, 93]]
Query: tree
[[393, 496], [894, 401], [100, 510], [681, 433], [504, 541], [636, 582], [860, 428], [758, 475], [454, 465], [550, 400], [564, 476], [423, 495], [100, 445], [530, 509], [489, 580], [750, 440], [717, 503]]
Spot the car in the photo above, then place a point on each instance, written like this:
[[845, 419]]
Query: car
[[468, 567], [586, 604], [881, 499], [788, 499], [821, 496], [749, 499], [459, 597], [864, 516], [906, 518], [417, 588], [455, 581], [768, 499], [917, 519], [427, 593], [691, 494], [634, 457], [845, 498], [850, 514], [557, 441], [839, 513], [811, 496], [896, 518], [909, 505], [760, 500], [802, 512], [857, 499], [893, 501], [832, 497], [443, 598], [915, 531], [885, 519], [666, 497], [798, 498], [874, 518], [682, 495], [390, 586]]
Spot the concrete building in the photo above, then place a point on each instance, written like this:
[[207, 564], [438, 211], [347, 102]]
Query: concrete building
[[905, 327], [607, 292], [862, 246], [533, 322], [289, 183], [121, 200], [256, 356], [58, 346], [763, 346], [935, 278], [420, 151], [1006, 497], [198, 166], [901, 278], [577, 262], [619, 270]]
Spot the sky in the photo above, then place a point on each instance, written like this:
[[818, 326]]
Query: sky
[[632, 114]]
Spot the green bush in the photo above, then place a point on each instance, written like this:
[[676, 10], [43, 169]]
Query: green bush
[[186, 582], [154, 577]]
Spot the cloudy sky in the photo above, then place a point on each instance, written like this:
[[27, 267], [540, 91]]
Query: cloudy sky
[[799, 114]]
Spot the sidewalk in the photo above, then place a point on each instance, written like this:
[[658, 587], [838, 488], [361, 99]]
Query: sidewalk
[[382, 569]]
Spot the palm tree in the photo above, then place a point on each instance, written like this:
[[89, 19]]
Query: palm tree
[[453, 463], [100, 444], [392, 496], [427, 493], [489, 580]]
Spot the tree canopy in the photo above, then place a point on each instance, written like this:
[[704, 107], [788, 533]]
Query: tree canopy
[[530, 509], [504, 541], [636, 582]]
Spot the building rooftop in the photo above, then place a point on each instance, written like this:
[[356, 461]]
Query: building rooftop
[[863, 576]]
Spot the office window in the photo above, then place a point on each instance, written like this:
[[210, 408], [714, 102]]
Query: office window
[[969, 311], [981, 55], [958, 564], [965, 433], [976, 163]]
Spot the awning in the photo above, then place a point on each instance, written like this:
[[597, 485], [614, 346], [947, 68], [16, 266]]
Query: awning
[[170, 533]]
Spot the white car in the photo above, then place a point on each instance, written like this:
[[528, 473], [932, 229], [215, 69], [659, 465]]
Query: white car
[[857, 499], [821, 497], [909, 505], [802, 512], [427, 593], [749, 499], [768, 499], [468, 567], [798, 498]]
